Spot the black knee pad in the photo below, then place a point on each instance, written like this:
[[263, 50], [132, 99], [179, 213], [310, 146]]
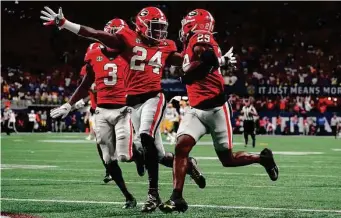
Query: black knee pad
[[167, 160], [149, 146], [147, 140]]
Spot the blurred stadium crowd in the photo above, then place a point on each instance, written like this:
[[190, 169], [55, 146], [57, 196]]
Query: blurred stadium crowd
[[278, 44]]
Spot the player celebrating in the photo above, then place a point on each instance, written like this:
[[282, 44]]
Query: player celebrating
[[210, 112], [93, 104], [146, 50], [106, 68]]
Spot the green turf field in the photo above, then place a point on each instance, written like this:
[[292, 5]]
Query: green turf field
[[60, 175]]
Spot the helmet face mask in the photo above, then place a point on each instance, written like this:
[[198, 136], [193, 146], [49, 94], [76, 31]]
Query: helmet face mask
[[186, 27], [152, 23], [157, 30]]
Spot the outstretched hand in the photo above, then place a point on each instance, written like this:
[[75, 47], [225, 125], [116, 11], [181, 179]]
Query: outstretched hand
[[52, 18]]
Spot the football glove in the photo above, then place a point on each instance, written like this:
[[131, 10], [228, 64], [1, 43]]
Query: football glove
[[79, 104], [231, 59], [61, 111], [52, 18]]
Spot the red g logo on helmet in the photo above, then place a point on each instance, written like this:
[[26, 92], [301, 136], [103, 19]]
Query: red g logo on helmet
[[152, 23], [143, 13], [192, 13], [197, 20]]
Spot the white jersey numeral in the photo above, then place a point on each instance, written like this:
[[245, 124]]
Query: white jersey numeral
[[141, 55], [203, 38], [155, 61], [186, 62], [138, 57], [112, 68]]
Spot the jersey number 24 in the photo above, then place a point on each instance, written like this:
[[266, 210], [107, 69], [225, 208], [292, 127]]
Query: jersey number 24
[[141, 55]]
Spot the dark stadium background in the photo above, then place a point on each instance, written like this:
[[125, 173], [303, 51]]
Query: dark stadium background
[[262, 33]]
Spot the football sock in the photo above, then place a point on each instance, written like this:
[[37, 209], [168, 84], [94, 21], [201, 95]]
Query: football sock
[[176, 194], [116, 174], [151, 160]]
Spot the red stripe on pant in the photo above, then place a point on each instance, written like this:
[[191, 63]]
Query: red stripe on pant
[[229, 126], [131, 140], [156, 116]]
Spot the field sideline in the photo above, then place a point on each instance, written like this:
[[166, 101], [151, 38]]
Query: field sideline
[[59, 175]]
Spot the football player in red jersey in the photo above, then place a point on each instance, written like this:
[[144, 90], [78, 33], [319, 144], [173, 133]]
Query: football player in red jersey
[[146, 50], [112, 25], [93, 105], [210, 112], [106, 69]]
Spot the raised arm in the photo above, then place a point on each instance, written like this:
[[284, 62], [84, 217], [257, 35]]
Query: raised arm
[[53, 19]]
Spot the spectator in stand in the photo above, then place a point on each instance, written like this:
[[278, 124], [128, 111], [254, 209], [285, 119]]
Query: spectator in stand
[[295, 123], [321, 125], [31, 120], [334, 123], [43, 122], [278, 125]]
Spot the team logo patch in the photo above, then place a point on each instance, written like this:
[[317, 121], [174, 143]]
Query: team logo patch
[[144, 13], [192, 13], [138, 41], [99, 58]]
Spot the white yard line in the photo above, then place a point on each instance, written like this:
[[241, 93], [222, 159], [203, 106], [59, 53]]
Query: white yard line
[[169, 183], [206, 173], [336, 149], [195, 205]]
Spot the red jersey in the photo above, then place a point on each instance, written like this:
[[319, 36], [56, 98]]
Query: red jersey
[[213, 84], [92, 46], [109, 76], [92, 93], [146, 63]]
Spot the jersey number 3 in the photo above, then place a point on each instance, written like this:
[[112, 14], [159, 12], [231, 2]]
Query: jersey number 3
[[111, 80], [141, 55]]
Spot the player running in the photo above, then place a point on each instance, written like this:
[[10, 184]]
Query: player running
[[113, 128], [93, 104], [146, 50], [210, 111]]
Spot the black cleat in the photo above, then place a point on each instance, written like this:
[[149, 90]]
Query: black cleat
[[151, 204], [130, 204], [107, 178], [138, 156], [268, 162], [179, 205], [195, 173]]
